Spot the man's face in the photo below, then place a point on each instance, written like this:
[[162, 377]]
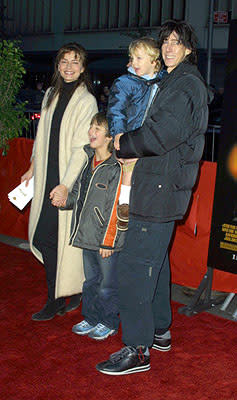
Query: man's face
[[173, 52]]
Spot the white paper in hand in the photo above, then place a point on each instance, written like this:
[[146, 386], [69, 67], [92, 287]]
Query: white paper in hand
[[22, 194]]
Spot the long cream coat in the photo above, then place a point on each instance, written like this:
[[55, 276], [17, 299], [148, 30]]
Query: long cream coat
[[73, 136]]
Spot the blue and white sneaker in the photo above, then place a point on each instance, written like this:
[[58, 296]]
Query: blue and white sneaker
[[82, 328], [101, 332]]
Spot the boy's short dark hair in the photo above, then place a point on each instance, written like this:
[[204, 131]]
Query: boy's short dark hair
[[186, 36], [101, 119]]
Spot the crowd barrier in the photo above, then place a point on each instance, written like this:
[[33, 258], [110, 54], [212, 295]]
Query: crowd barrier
[[190, 244]]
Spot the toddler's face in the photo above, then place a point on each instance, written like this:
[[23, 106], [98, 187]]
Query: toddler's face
[[142, 62]]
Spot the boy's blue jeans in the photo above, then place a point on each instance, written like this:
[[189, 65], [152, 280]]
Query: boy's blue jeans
[[144, 281], [100, 292]]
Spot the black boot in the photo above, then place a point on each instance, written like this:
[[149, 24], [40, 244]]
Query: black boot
[[51, 308], [74, 302]]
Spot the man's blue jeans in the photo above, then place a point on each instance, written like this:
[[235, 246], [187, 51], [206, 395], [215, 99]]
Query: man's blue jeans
[[100, 289], [144, 281]]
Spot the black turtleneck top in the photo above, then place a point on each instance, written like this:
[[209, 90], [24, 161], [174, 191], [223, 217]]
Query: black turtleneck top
[[60, 108], [46, 233]]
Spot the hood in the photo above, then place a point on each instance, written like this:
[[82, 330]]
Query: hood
[[147, 77], [156, 78]]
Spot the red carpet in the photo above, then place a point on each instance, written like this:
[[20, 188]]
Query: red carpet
[[45, 361]]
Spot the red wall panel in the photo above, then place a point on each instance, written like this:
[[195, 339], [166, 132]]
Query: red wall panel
[[14, 222], [189, 251]]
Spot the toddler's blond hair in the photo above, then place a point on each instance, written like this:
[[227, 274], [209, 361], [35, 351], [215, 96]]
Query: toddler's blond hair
[[150, 46]]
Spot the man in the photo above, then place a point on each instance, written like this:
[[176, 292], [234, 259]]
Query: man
[[169, 146]]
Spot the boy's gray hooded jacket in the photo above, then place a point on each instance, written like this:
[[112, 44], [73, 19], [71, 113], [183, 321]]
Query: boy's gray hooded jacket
[[94, 199]]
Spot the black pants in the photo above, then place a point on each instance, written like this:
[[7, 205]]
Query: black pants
[[144, 281], [46, 241]]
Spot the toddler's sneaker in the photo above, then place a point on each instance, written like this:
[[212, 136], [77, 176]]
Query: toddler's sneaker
[[101, 332], [122, 216], [123, 212], [122, 226], [82, 328]]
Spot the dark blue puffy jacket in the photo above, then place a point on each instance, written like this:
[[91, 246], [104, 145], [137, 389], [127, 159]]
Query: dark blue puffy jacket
[[128, 101]]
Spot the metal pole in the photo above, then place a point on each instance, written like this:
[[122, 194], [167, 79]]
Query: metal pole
[[2, 19], [209, 41]]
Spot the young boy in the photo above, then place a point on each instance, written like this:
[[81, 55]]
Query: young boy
[[94, 199], [130, 97]]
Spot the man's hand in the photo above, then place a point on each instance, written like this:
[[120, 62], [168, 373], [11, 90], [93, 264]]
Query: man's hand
[[116, 141], [105, 253]]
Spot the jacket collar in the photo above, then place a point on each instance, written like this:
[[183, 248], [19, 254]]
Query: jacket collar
[[146, 77], [90, 152], [148, 82], [185, 68]]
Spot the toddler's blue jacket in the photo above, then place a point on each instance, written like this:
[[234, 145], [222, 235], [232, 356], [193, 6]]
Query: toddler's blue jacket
[[128, 101]]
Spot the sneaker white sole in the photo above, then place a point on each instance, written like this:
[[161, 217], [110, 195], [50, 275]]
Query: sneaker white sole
[[111, 333], [82, 333], [156, 347], [122, 219], [143, 368]]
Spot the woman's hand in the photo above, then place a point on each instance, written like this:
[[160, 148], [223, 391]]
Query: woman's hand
[[116, 141], [105, 253], [28, 174], [59, 195]]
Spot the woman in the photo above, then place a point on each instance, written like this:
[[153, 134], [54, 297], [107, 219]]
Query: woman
[[57, 159]]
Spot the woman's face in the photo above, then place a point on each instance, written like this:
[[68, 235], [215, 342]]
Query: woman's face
[[70, 67]]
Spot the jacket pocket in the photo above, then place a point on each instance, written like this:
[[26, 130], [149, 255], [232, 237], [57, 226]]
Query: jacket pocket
[[99, 215]]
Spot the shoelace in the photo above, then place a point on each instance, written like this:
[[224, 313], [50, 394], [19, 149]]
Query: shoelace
[[84, 324], [119, 355], [100, 327]]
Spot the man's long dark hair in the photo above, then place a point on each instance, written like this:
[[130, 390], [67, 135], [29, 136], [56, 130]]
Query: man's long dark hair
[[57, 80], [185, 34]]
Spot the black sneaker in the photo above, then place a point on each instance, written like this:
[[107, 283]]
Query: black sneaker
[[128, 360], [161, 343]]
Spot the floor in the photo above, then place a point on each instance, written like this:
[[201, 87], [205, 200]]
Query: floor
[[179, 293]]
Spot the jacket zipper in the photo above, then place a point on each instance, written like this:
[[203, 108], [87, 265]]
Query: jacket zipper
[[79, 191], [145, 115], [148, 108], [73, 235]]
